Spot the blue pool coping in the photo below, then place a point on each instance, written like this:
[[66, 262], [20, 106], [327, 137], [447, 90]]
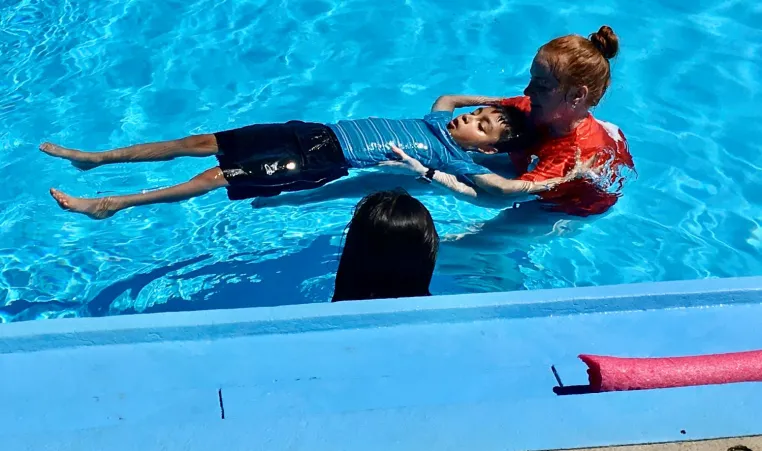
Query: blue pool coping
[[145, 328], [442, 372]]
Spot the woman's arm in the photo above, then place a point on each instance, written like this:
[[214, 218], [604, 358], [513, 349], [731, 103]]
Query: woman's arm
[[451, 102], [499, 185]]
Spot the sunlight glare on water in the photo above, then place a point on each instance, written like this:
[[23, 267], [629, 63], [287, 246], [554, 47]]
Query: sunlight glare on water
[[97, 75]]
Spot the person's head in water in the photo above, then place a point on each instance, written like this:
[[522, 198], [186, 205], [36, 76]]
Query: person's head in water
[[390, 249], [570, 75], [484, 128]]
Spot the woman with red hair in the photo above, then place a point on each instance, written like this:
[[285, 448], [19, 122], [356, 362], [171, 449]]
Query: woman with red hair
[[570, 75]]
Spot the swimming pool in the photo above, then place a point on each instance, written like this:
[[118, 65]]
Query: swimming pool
[[97, 75]]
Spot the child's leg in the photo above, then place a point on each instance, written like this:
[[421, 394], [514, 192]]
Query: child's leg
[[192, 146], [104, 207]]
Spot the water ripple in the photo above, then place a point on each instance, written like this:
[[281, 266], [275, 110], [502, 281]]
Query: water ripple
[[112, 73]]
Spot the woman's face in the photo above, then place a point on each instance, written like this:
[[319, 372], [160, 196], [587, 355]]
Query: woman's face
[[545, 93]]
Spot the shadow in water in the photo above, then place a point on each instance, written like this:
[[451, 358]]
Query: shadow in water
[[277, 284], [357, 186], [99, 305], [505, 237], [496, 255], [23, 310], [518, 227]]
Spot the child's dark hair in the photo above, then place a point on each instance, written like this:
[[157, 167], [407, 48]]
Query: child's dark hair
[[515, 121], [390, 249], [516, 131]]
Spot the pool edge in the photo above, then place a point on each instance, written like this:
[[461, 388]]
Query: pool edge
[[32, 336]]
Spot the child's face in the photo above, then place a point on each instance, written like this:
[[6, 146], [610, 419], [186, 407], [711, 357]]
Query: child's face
[[480, 129]]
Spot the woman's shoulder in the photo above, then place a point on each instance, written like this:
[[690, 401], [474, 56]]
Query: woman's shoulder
[[608, 136], [608, 129]]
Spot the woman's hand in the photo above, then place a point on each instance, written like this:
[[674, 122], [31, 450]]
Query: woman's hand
[[405, 165], [582, 169]]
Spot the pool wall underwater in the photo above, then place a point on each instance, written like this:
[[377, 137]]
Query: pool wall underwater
[[465, 372]]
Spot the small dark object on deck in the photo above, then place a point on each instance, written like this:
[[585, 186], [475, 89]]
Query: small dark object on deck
[[222, 406]]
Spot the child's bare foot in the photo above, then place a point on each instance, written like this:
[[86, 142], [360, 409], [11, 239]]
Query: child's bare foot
[[98, 208], [80, 160]]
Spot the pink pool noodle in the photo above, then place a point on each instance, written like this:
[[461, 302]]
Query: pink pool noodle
[[616, 374]]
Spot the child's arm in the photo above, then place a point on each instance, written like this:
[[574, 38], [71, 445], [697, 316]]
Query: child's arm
[[452, 185], [491, 183], [450, 103], [502, 188], [476, 196]]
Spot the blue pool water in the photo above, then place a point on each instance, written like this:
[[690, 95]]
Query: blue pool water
[[96, 75]]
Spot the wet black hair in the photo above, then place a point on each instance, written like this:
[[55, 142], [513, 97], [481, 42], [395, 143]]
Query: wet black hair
[[390, 249], [517, 130], [515, 120]]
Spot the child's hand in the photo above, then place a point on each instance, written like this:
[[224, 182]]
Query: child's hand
[[406, 163]]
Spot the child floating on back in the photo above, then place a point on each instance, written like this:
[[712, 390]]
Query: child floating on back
[[266, 159]]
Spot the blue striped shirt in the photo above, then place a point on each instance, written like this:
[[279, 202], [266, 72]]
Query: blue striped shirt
[[365, 142]]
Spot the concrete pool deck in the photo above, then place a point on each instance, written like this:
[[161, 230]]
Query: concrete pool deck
[[723, 444], [468, 372]]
